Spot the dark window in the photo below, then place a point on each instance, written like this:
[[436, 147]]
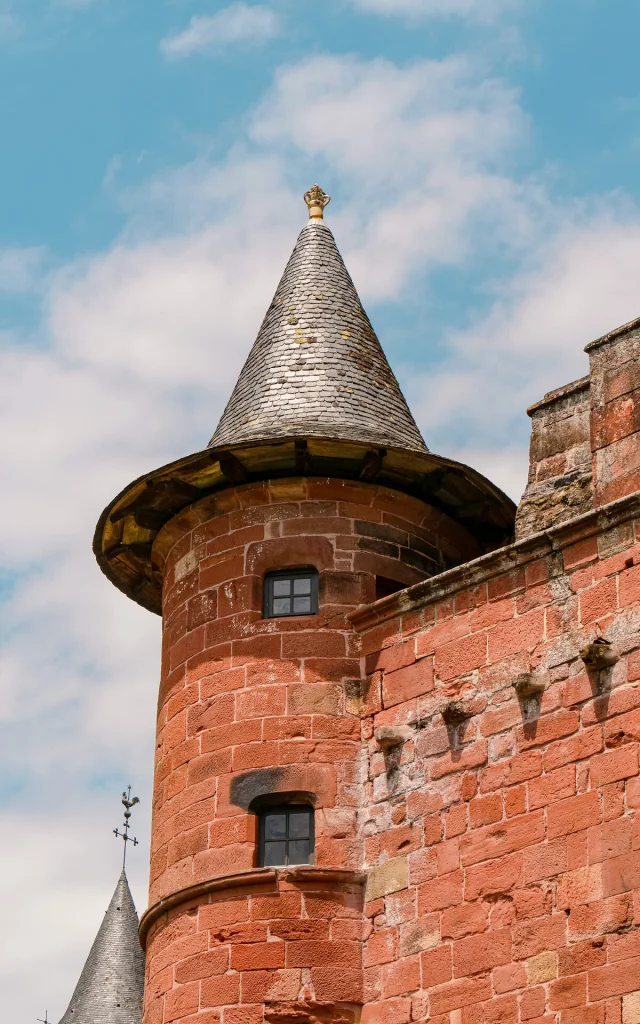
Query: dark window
[[291, 593], [385, 587], [286, 836]]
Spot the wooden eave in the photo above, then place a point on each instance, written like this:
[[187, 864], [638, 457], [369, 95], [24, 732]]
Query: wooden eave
[[126, 531]]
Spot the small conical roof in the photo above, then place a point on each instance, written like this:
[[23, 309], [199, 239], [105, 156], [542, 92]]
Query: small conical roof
[[111, 985], [317, 368]]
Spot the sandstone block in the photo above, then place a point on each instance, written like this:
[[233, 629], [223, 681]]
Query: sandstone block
[[541, 968], [387, 878], [631, 1008]]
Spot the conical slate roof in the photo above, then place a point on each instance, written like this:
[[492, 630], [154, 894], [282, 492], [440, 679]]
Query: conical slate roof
[[111, 985], [315, 396], [317, 368]]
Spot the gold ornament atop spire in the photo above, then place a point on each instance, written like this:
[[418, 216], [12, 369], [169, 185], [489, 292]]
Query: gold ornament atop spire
[[316, 200]]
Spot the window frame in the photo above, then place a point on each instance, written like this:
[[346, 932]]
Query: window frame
[[268, 596], [285, 809]]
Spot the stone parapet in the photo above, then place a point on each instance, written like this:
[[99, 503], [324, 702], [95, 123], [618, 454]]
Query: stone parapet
[[559, 485], [615, 412], [585, 437]]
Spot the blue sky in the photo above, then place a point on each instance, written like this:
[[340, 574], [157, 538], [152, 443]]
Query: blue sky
[[83, 83], [483, 157]]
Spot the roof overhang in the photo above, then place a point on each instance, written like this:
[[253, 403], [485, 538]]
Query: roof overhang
[[126, 530]]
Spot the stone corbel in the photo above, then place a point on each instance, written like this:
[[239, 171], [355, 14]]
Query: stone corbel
[[529, 687], [390, 736], [599, 654]]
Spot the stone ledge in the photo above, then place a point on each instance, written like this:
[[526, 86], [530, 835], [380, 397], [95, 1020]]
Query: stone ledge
[[484, 568], [582, 384], [239, 879], [612, 335]]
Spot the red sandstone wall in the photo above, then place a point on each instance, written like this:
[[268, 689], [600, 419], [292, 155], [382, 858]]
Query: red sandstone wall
[[501, 854], [250, 707], [504, 862], [281, 949]]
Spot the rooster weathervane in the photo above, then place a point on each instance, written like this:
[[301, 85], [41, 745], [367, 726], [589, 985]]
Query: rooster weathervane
[[128, 803]]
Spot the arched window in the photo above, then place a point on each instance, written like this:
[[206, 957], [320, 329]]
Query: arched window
[[291, 592], [285, 836]]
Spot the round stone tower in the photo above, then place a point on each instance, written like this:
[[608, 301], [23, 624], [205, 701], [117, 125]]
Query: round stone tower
[[315, 496]]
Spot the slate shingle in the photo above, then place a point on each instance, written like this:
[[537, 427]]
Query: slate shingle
[[317, 368], [111, 986]]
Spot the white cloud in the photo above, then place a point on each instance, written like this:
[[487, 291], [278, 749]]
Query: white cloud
[[418, 151], [67, 897], [481, 10], [238, 23], [580, 283]]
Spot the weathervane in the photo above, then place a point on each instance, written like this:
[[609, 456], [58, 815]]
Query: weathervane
[[46, 1018], [128, 804]]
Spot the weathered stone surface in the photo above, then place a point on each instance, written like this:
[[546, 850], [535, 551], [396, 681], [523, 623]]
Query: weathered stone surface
[[389, 736], [559, 485], [309, 1013]]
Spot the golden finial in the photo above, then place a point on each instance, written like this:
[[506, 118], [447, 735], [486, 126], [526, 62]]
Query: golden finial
[[316, 200]]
